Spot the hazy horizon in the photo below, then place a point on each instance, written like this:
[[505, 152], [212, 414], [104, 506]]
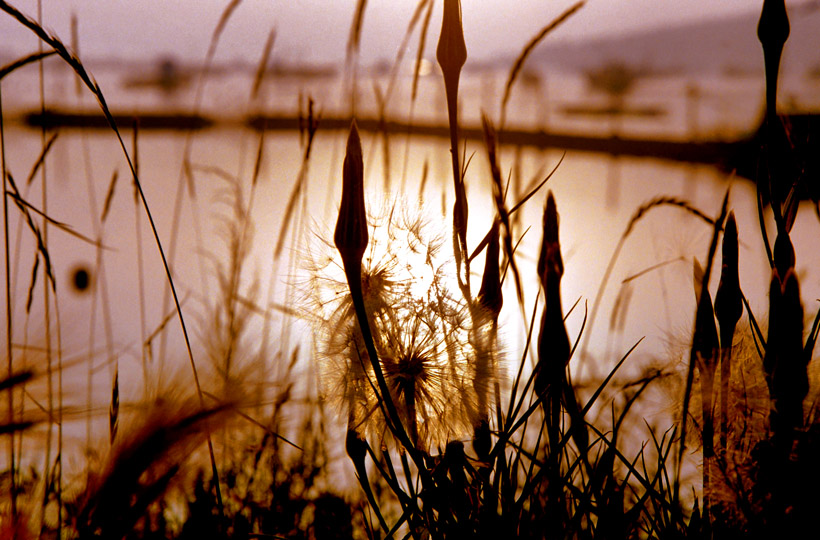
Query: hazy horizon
[[315, 31]]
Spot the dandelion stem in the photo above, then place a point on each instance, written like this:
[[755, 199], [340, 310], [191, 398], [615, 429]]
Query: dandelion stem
[[351, 238]]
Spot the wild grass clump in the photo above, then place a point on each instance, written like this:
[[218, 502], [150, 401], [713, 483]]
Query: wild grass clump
[[451, 434], [562, 479]]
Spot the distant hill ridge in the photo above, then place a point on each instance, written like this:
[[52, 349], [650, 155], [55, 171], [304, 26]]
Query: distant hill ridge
[[725, 45]]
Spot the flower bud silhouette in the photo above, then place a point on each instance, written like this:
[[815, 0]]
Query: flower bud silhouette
[[350, 236]]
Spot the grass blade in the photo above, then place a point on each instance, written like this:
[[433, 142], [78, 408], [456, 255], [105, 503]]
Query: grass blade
[[528, 48], [35, 57]]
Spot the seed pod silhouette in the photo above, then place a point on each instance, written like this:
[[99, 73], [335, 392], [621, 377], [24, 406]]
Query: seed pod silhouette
[[350, 236], [772, 31], [356, 448], [551, 382], [451, 51], [489, 296], [553, 342], [784, 362], [784, 257], [451, 54], [705, 347], [728, 308], [728, 303], [489, 302]]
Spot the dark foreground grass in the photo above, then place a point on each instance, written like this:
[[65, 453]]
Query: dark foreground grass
[[441, 444]]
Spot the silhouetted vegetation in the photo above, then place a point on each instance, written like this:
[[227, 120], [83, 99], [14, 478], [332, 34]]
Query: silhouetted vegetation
[[406, 348]]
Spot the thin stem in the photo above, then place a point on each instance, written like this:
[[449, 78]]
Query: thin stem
[[46, 292], [725, 377], [354, 280], [80, 70], [12, 475]]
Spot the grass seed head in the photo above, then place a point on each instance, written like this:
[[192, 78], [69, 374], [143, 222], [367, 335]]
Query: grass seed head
[[142, 462]]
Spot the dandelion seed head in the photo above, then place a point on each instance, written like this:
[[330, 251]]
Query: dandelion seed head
[[420, 325], [423, 376]]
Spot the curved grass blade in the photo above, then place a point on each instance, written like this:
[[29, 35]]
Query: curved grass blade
[[481, 245], [36, 57], [528, 48], [41, 158], [639, 214], [95, 89], [22, 203], [41, 246]]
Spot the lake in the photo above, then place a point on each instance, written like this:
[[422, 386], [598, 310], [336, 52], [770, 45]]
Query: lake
[[190, 180]]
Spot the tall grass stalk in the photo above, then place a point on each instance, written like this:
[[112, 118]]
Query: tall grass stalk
[[47, 338], [518, 63], [441, 445], [352, 55], [9, 324], [633, 221], [184, 178], [144, 354], [80, 70]]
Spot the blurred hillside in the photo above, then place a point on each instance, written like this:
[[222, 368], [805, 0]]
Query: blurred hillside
[[720, 46]]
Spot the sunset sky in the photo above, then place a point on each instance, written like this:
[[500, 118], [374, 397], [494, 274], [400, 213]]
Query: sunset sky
[[317, 30]]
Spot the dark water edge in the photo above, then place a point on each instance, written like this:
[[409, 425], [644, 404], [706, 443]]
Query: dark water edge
[[740, 156]]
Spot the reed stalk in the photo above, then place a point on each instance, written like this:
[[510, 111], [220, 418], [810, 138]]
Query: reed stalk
[[72, 61], [44, 227], [9, 323], [542, 463]]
